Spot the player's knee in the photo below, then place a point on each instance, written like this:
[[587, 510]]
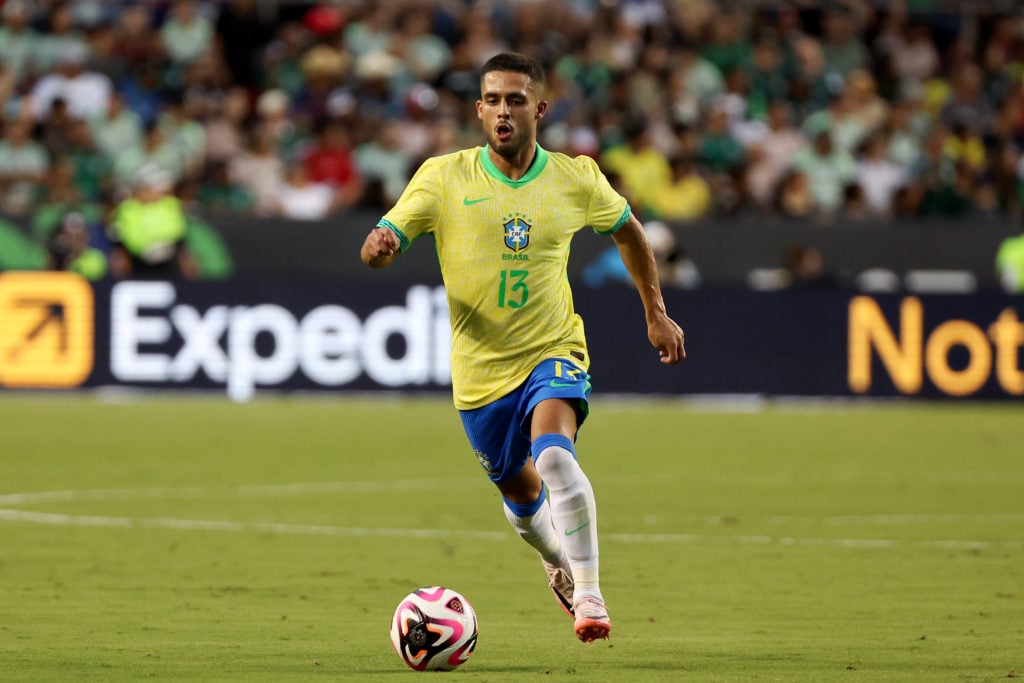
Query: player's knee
[[555, 459]]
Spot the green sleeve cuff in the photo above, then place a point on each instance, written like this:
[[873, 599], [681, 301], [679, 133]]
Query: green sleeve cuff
[[618, 224]]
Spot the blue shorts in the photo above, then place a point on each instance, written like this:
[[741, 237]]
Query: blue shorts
[[499, 432]]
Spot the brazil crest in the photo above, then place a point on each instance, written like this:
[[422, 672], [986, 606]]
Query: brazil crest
[[517, 234]]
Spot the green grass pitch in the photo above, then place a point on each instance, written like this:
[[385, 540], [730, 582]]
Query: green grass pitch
[[194, 539]]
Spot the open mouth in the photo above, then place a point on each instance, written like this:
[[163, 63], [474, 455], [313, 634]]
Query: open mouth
[[503, 131]]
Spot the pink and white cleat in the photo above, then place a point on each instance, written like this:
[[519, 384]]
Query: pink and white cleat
[[592, 621], [560, 580]]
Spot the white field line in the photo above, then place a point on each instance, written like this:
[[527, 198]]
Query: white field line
[[216, 525], [241, 491], [404, 485], [848, 520], [401, 485]]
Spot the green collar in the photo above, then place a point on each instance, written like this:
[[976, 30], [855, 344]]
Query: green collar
[[540, 160]]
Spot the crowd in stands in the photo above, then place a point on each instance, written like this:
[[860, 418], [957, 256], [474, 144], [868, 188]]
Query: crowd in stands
[[813, 110]]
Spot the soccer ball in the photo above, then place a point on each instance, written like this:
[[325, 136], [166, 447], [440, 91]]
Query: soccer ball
[[434, 629]]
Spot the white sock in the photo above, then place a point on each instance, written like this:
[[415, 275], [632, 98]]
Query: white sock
[[537, 530], [573, 510]]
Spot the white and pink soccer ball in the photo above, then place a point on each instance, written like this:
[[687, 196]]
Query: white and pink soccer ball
[[434, 629]]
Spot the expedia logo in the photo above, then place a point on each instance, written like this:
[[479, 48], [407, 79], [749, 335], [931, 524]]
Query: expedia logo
[[517, 233], [46, 330]]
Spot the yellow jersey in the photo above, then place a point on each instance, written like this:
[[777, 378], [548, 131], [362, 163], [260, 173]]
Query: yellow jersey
[[503, 246]]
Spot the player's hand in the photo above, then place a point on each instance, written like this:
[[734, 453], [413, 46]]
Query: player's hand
[[667, 337], [380, 247]]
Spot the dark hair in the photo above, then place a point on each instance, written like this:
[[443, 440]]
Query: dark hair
[[516, 63]]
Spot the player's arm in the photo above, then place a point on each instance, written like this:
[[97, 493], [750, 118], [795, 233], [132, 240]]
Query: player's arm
[[664, 333], [380, 248]]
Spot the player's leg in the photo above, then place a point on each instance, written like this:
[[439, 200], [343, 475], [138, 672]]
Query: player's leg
[[573, 509], [496, 435], [527, 510]]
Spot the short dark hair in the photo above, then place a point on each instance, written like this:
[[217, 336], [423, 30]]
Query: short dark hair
[[516, 63]]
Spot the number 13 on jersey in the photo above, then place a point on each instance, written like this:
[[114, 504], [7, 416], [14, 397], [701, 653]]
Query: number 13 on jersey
[[512, 289]]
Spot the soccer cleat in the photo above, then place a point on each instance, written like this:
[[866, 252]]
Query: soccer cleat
[[560, 580], [592, 622]]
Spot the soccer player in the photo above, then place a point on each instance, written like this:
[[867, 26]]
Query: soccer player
[[502, 217]]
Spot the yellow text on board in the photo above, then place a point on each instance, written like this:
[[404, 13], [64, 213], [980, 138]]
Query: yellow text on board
[[908, 355]]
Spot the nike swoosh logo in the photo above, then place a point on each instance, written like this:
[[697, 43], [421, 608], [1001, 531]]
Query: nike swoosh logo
[[556, 383], [466, 201], [570, 532]]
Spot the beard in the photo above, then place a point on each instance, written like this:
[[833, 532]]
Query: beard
[[511, 147]]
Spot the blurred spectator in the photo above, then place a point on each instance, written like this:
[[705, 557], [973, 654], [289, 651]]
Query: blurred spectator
[[92, 168], [18, 40], [384, 164], [863, 103], [909, 51], [136, 43], [301, 198], [243, 29], [421, 110], [675, 268], [331, 160], [154, 151], [906, 126], [963, 146], [805, 268], [685, 95], [186, 35], [795, 198], [723, 158], [480, 40], [142, 90], [224, 125], [117, 128], [838, 119], [968, 107], [282, 58], [148, 231], [23, 165], [811, 86], [324, 22], [59, 187], [53, 132], [940, 186], [829, 170], [259, 171], [180, 129], [62, 40], [324, 69], [86, 93], [219, 192], [879, 178], [68, 249], [642, 167], [842, 48], [767, 81], [424, 54], [274, 120], [726, 47], [374, 31], [687, 197], [103, 50], [772, 155]]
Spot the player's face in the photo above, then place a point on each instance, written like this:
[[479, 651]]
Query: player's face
[[509, 107]]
